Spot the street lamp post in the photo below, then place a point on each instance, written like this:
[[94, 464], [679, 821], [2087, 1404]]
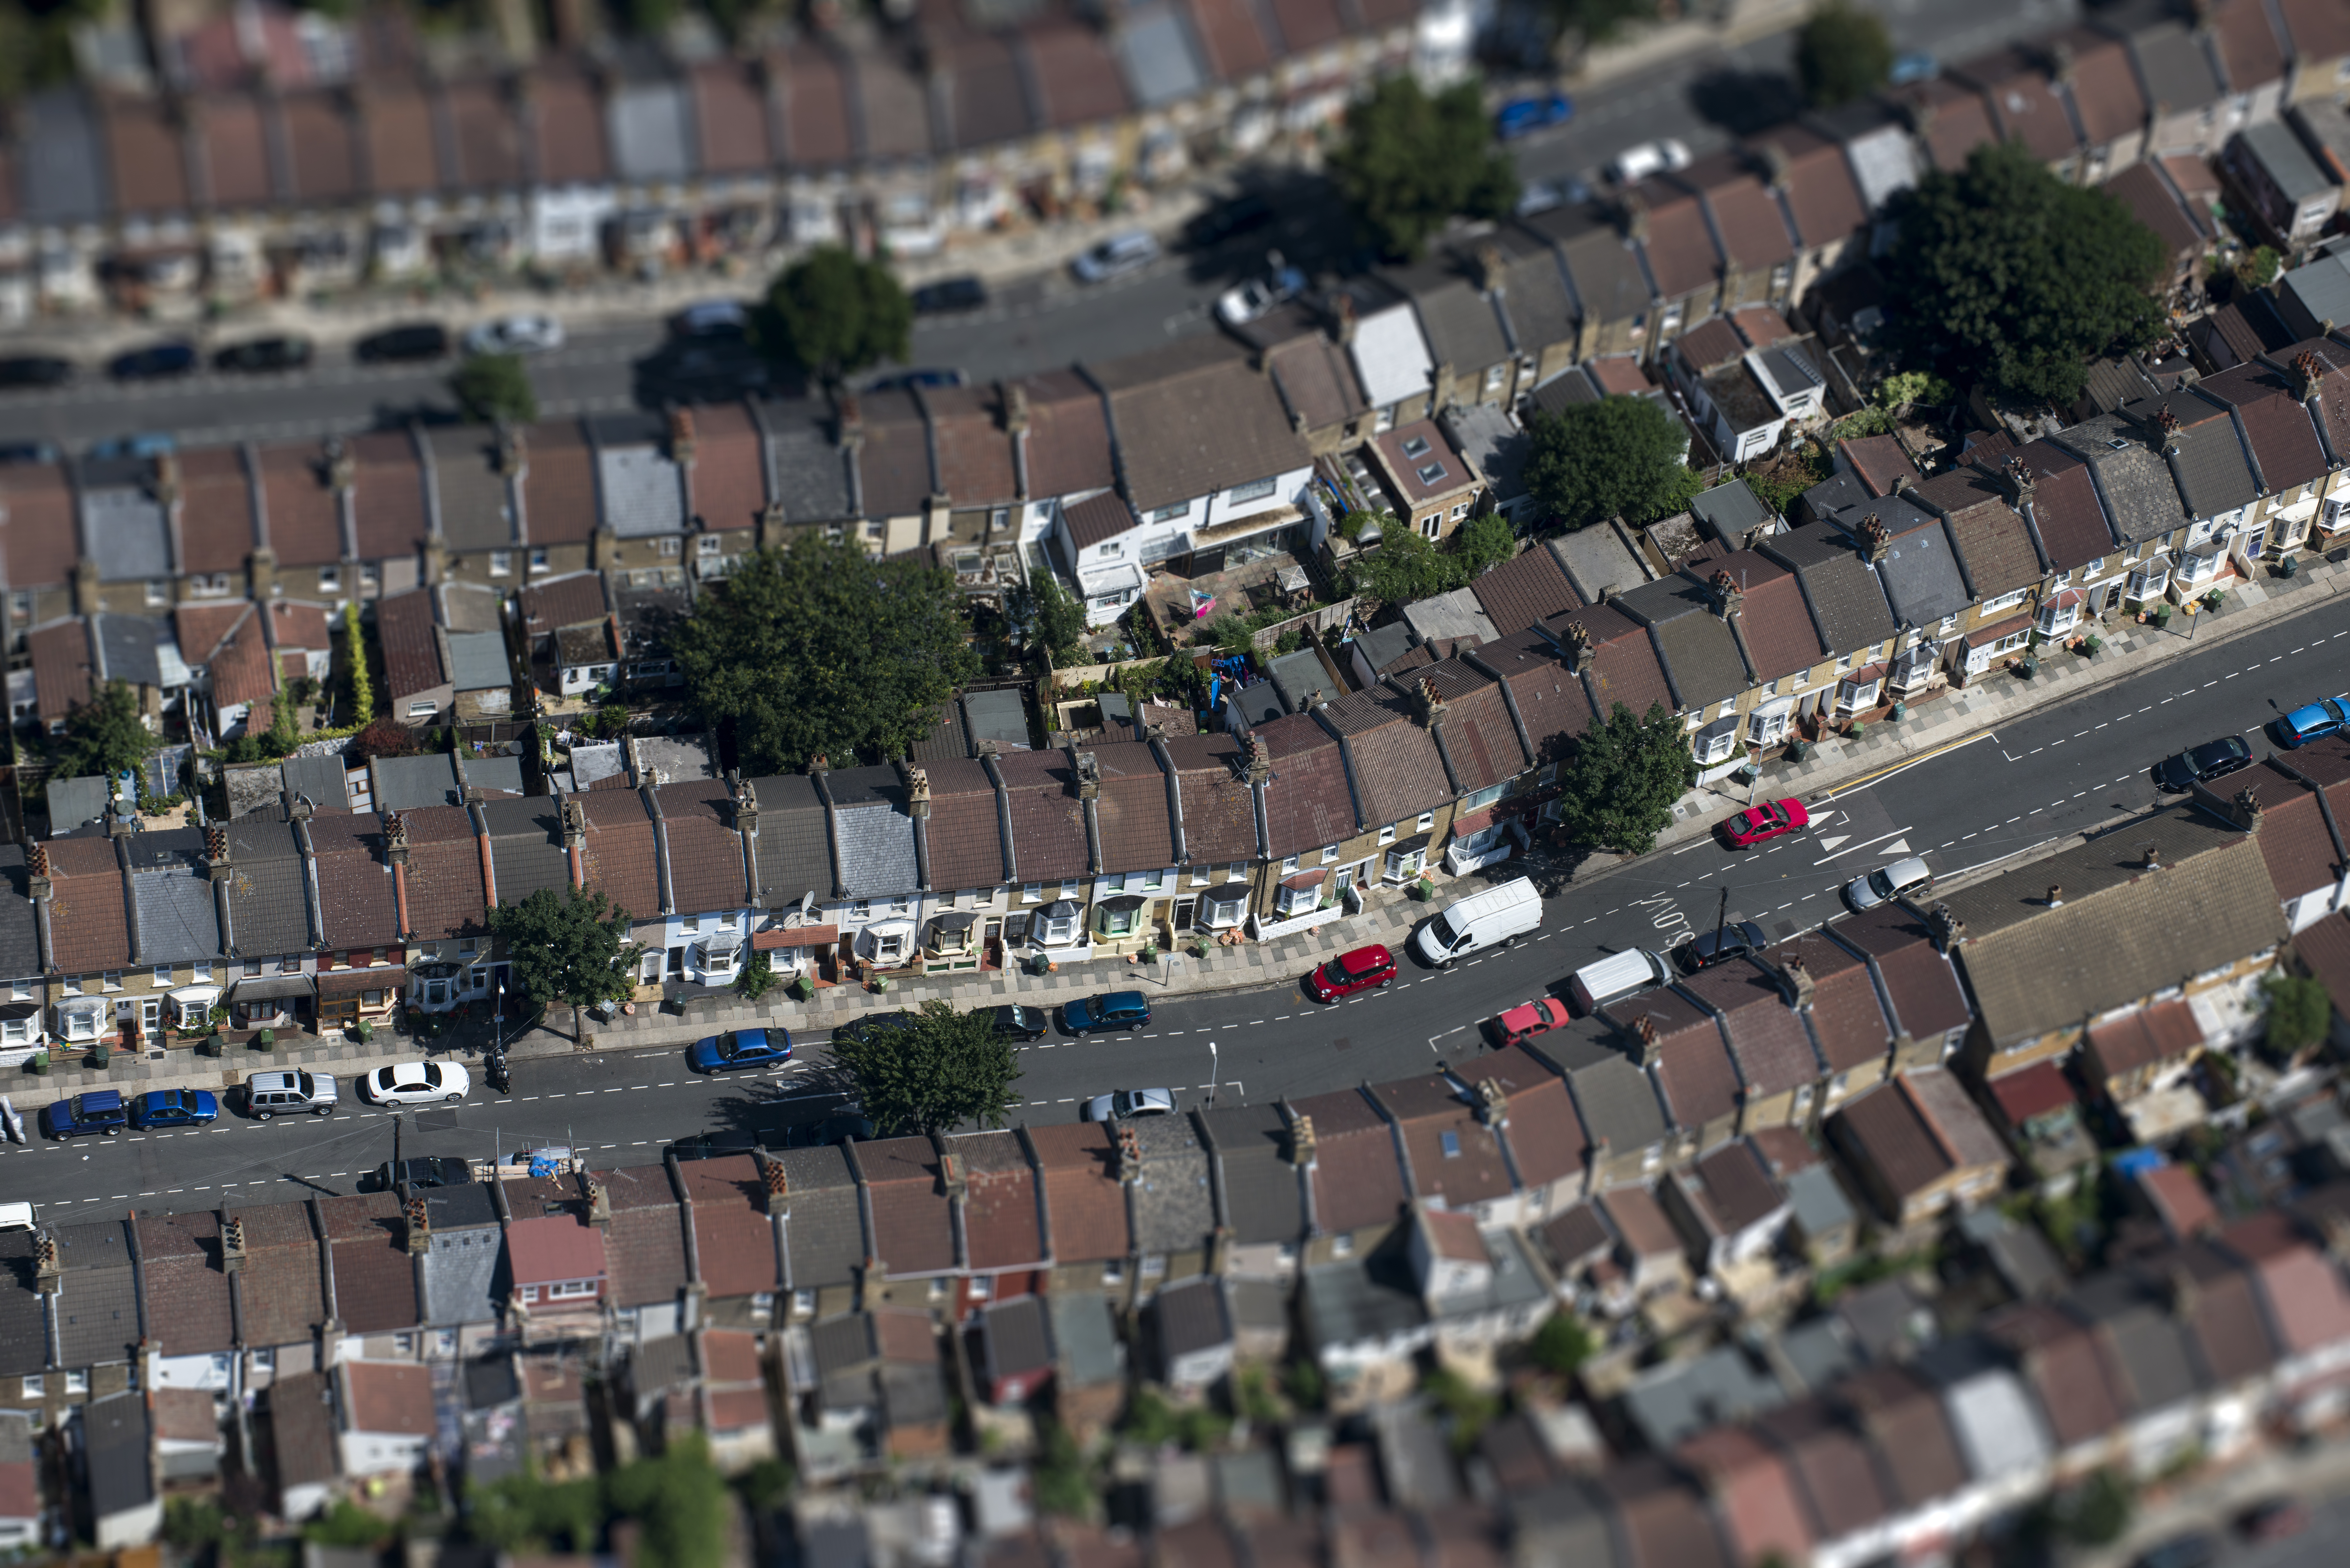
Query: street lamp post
[[1214, 1072]]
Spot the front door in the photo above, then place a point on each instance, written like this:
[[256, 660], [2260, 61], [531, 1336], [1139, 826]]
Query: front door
[[1186, 911], [151, 1015]]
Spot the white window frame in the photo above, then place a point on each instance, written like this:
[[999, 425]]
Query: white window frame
[[2004, 601], [501, 563]]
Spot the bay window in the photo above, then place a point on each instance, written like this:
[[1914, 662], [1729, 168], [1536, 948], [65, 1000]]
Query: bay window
[[1404, 864], [1297, 900], [1717, 743], [2060, 614]]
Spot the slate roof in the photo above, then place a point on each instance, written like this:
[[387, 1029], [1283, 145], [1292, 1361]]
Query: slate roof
[[187, 1294], [1392, 756], [2206, 457], [1083, 1200], [913, 1225], [1616, 1101], [2117, 937], [173, 899], [20, 947], [1192, 418], [1994, 547], [1356, 1179], [1257, 1187], [269, 889], [2140, 496], [705, 857], [1130, 817], [465, 1276], [1172, 1205], [812, 475], [281, 1294], [475, 510], [96, 1312], [794, 844], [1701, 657], [644, 1246], [24, 1321], [123, 529], [1048, 826], [526, 847], [1003, 1222], [734, 1242], [1218, 808], [1920, 569], [1452, 1158], [965, 832]]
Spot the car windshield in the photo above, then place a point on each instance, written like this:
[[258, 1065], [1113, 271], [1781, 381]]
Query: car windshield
[[431, 1075], [727, 1046], [1881, 884], [1442, 929]]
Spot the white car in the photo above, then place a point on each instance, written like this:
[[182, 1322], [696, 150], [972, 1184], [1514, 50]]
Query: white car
[[16, 1217], [515, 335], [1129, 1103], [1239, 306], [416, 1084], [1634, 164], [1887, 883], [1118, 255]]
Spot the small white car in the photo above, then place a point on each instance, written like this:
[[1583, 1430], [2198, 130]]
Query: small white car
[[1634, 164], [1239, 306], [1115, 256], [1887, 883], [1129, 1103], [416, 1084], [16, 1217], [515, 335]]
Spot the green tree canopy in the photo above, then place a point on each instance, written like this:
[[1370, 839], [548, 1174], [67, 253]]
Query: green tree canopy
[[1407, 567], [1052, 620], [1561, 1344], [943, 1069], [822, 650], [1619, 782], [1841, 54], [491, 387], [2007, 277], [105, 735], [1617, 457], [567, 947], [1409, 161], [2300, 1013], [833, 314]]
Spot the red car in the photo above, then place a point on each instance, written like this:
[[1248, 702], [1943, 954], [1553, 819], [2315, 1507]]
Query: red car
[[1769, 820], [1361, 970], [1529, 1019]]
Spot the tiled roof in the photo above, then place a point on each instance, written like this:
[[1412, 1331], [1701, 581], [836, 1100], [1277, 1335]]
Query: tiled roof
[[875, 832], [24, 1315], [476, 508], [913, 1224], [1818, 188], [570, 600], [1679, 244], [1478, 735], [1700, 658], [1692, 1067], [644, 1246], [43, 541], [1084, 1202], [526, 847], [389, 1397], [96, 1312], [812, 474], [1262, 1200], [411, 653], [559, 486], [728, 480], [216, 511], [1173, 1201], [1846, 1018], [446, 896], [734, 1240], [1307, 803], [187, 1294], [2140, 496], [1919, 981], [387, 494], [1392, 756], [1048, 828], [2284, 443], [705, 855], [794, 843], [1773, 620], [1193, 417], [1356, 1179], [1549, 698], [1002, 1222], [1752, 1490], [2065, 506], [282, 1294], [268, 891], [2206, 458], [1767, 1038], [618, 855], [89, 923], [824, 1232], [1068, 449], [1624, 666], [357, 897], [1546, 1140], [375, 1281], [965, 834], [975, 450], [1993, 544], [1131, 815], [1529, 586], [124, 527], [1830, 1465], [895, 461], [1218, 808], [1455, 1158]]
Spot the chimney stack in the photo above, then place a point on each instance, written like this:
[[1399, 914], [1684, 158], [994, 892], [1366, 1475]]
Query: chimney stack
[[1728, 599], [48, 1270], [1493, 1102], [216, 866], [419, 1227], [232, 1245], [2153, 853], [954, 1177], [342, 469], [1301, 1142], [599, 1203], [511, 456], [1259, 766], [1948, 929], [779, 1188], [682, 446], [1431, 702], [2248, 810], [1875, 538], [1129, 1154], [918, 792], [1579, 650], [2056, 895], [1088, 776], [36, 865], [395, 839], [1801, 986], [1015, 407]]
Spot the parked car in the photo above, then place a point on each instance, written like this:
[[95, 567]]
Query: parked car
[[1634, 164], [949, 295], [285, 353], [2200, 764], [436, 1171], [2297, 729], [714, 1144], [154, 362], [1603, 981], [174, 1109], [416, 1084], [412, 340], [1735, 939], [1528, 1019], [1758, 823], [704, 368], [515, 335], [712, 318], [1913, 67], [1128, 1103], [29, 452], [270, 1095], [1127, 1010], [2194, 1549], [738, 1049], [873, 1026], [1241, 216], [1523, 116], [2277, 1518], [35, 370], [98, 1111], [1245, 302], [927, 376], [1887, 883], [1015, 1021], [17, 1217], [1115, 256], [1363, 969], [138, 443]]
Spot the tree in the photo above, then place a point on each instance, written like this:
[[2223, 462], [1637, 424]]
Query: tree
[[489, 388], [1052, 620], [2010, 279], [1059, 1478], [569, 947], [1407, 566], [833, 314], [1409, 161], [1841, 55], [1620, 781], [355, 661], [106, 735], [1562, 1345], [821, 650], [2300, 1013], [2258, 268], [1617, 457], [942, 1069], [679, 1502], [2097, 1511]]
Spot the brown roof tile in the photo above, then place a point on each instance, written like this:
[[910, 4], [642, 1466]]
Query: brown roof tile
[[573, 600], [1767, 1038], [306, 526], [644, 1246], [2246, 43], [1082, 1195], [965, 832], [485, 135], [388, 496], [396, 140], [144, 158], [1478, 734], [1919, 981], [87, 919], [42, 533], [2058, 1358], [1679, 246], [2065, 506], [979, 81], [1846, 1019], [1136, 834], [1958, 120], [1307, 805], [1193, 417], [1464, 1169], [1076, 78], [732, 1238], [618, 855], [282, 1295], [235, 152], [730, 478], [2104, 87], [375, 1279], [1624, 666], [446, 895], [1781, 637], [2284, 441], [705, 855], [975, 450], [1663, 1520], [815, 108], [1545, 1135], [1830, 1465], [1551, 700], [242, 667], [1308, 25], [1048, 826], [896, 459], [1356, 1178], [356, 896], [1392, 758], [185, 1289], [566, 130], [1752, 230], [1227, 30], [1993, 544], [559, 494], [1528, 587], [1069, 436], [913, 1225], [1902, 1419], [1819, 190], [2024, 103], [1218, 809], [1000, 1215], [1689, 1062], [2319, 29], [322, 147], [411, 653], [730, 118], [1752, 1492], [61, 667]]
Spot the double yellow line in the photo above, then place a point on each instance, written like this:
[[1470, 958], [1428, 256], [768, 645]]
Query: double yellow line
[[1838, 791]]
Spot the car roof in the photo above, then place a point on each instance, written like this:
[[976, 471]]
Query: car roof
[[1904, 868], [1124, 999], [1363, 960], [102, 1100]]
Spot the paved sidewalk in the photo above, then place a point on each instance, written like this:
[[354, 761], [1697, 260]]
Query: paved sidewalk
[[2214, 1497]]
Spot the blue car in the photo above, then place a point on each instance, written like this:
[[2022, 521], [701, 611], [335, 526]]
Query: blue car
[[740, 1048], [1523, 116], [1128, 1010], [2302, 725], [98, 1111], [174, 1109]]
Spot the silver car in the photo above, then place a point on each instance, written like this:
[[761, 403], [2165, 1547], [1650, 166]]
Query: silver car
[[1888, 883], [1127, 1104], [1116, 256]]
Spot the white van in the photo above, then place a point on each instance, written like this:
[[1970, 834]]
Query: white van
[[1595, 985], [1486, 919]]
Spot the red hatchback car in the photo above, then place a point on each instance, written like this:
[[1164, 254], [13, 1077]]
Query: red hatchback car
[[1769, 820], [1349, 973], [1529, 1019]]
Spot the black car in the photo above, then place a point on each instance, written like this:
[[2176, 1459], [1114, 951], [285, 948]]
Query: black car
[[714, 1144], [29, 452], [1708, 948], [950, 294], [2195, 1549], [35, 370], [706, 368], [872, 1026], [435, 1171], [414, 340], [1242, 214], [2201, 764], [264, 354], [153, 362], [1018, 1023]]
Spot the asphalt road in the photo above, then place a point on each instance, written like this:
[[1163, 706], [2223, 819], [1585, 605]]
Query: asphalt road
[[2061, 770], [1041, 323]]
